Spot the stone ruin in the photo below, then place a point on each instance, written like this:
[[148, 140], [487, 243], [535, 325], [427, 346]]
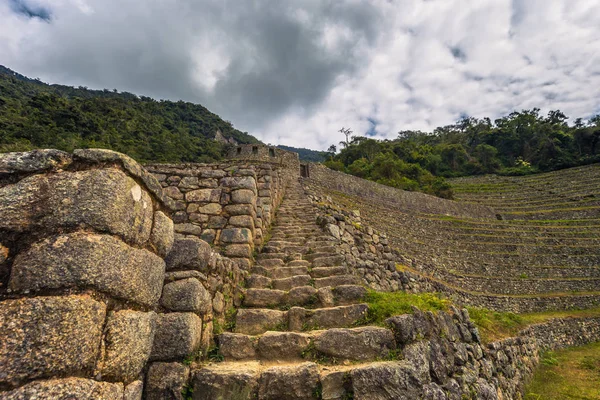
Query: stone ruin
[[125, 282]]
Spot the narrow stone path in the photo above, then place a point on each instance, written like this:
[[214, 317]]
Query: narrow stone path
[[302, 307]]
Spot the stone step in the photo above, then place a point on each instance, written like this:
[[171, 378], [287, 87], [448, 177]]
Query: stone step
[[254, 321], [325, 255], [323, 272], [336, 280], [367, 343], [280, 272], [309, 380], [306, 296], [291, 282], [267, 256], [327, 261]]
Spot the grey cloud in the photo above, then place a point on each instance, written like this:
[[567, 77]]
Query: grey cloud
[[294, 72], [23, 7]]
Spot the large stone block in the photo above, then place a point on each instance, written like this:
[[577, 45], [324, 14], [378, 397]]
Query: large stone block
[[240, 182], [129, 337], [204, 195], [163, 234], [291, 383], [243, 196], [47, 336], [186, 295], [244, 221], [386, 381], [236, 235], [189, 253], [177, 336], [238, 382], [34, 161], [88, 260], [104, 200], [66, 389], [166, 381], [365, 343]]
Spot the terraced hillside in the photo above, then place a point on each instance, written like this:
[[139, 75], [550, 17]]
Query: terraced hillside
[[542, 251]]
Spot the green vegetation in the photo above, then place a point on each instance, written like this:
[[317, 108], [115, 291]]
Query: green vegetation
[[36, 115], [572, 373], [520, 143], [307, 154], [383, 305], [494, 325]]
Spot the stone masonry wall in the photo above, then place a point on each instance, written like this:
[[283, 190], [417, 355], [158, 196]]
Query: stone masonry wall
[[229, 205], [414, 201], [384, 268], [98, 299]]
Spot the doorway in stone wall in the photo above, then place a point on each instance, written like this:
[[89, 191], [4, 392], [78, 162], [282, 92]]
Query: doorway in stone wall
[[304, 171]]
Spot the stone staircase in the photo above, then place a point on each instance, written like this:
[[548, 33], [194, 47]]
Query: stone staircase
[[300, 320]]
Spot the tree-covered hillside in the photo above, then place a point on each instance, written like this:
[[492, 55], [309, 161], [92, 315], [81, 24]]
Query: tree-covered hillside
[[518, 144], [307, 154], [37, 115]]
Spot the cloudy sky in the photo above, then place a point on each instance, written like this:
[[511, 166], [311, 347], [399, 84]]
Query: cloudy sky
[[295, 72]]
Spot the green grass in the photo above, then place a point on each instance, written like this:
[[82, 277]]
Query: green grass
[[494, 325], [572, 373], [385, 305]]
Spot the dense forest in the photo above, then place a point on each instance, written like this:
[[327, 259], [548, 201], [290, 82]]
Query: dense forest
[[520, 143], [37, 115], [307, 154]]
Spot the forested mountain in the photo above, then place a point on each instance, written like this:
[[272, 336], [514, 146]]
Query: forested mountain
[[518, 144], [37, 115], [307, 154]]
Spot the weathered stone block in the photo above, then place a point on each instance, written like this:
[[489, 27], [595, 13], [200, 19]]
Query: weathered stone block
[[244, 221], [290, 383], [240, 382], [390, 380], [216, 222], [162, 236], [189, 253], [236, 346], [243, 196], [188, 229], [177, 336], [282, 345], [105, 200], [210, 209], [46, 336], [134, 391], [236, 235], [173, 192], [87, 260], [129, 337], [241, 182], [240, 209], [34, 161], [188, 182], [66, 389], [186, 295], [238, 250], [204, 195], [365, 343], [166, 381]]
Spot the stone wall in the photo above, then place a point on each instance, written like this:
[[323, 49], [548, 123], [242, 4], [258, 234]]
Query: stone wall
[[96, 293], [413, 201], [383, 268], [229, 205]]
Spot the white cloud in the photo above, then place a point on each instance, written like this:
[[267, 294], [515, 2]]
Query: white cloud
[[296, 72]]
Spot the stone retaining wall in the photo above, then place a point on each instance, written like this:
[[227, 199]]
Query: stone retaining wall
[[383, 268], [413, 201], [229, 205], [96, 293]]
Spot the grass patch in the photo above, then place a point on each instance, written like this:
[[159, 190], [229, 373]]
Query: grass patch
[[572, 373], [494, 325], [385, 305]]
